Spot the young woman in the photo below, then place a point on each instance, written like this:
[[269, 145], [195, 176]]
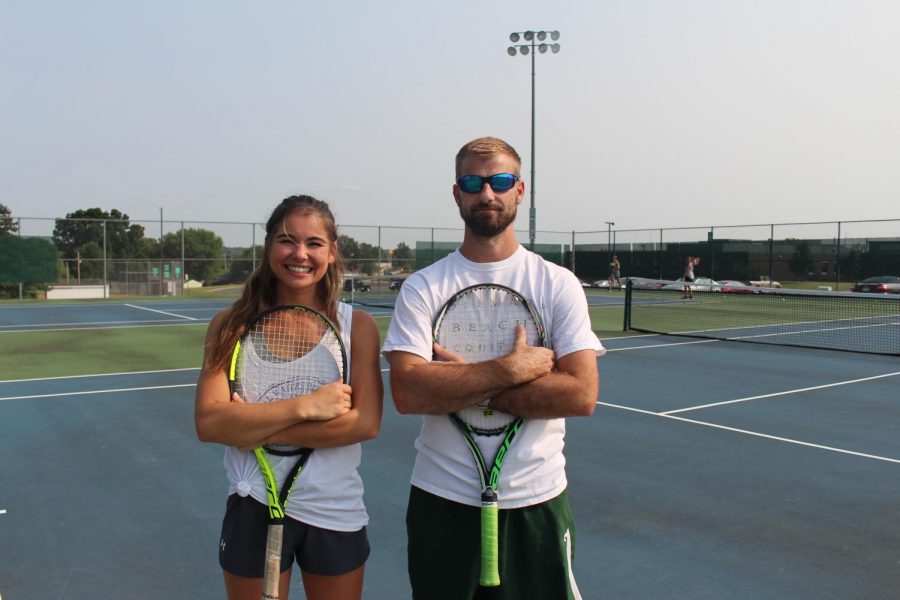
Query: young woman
[[690, 263], [326, 529], [615, 271]]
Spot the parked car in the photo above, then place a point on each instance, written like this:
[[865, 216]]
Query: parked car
[[731, 286], [883, 284], [600, 283], [700, 284], [395, 284], [764, 282], [642, 283], [356, 285]]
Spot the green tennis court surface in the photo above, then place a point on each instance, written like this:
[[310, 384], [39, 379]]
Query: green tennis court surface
[[846, 321]]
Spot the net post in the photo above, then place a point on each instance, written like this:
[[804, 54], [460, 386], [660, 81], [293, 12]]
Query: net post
[[626, 324]]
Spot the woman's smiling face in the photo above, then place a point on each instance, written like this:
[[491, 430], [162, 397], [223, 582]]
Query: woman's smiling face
[[300, 255]]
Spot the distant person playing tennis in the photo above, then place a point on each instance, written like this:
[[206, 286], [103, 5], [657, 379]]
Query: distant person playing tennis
[[325, 528], [688, 275], [615, 270], [542, 384]]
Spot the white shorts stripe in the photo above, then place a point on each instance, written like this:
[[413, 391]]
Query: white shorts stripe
[[575, 593]]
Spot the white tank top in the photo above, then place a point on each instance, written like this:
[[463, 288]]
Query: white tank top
[[328, 493]]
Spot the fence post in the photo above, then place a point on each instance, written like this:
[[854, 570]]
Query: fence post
[[573, 252], [771, 253], [105, 280], [660, 254], [837, 266], [253, 229], [181, 277]]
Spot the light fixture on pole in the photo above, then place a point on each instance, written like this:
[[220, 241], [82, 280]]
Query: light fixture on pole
[[609, 226], [535, 41]]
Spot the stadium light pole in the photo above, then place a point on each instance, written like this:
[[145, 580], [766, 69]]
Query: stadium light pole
[[535, 42], [609, 226]]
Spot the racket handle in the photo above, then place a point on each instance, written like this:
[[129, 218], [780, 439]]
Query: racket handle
[[490, 573], [273, 562]]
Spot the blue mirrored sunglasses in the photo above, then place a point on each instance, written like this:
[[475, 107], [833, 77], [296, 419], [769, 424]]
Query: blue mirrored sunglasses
[[501, 182]]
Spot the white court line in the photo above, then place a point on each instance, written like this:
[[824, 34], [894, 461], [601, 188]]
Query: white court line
[[61, 394], [754, 433], [661, 345], [628, 337], [797, 391], [100, 375], [162, 312], [157, 324], [201, 308], [74, 325], [88, 392], [122, 373]]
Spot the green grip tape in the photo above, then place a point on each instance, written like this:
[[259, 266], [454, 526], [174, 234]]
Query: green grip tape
[[490, 574]]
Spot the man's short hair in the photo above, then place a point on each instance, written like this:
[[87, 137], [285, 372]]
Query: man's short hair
[[485, 147]]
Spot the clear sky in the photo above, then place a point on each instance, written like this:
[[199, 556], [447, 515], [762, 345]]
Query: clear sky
[[656, 113]]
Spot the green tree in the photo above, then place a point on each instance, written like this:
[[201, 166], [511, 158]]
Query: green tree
[[88, 263], [203, 253], [123, 239], [8, 226], [358, 256], [240, 264], [801, 263], [368, 258], [404, 258], [348, 247]]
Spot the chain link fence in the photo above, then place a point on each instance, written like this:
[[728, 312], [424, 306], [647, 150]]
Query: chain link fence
[[159, 258]]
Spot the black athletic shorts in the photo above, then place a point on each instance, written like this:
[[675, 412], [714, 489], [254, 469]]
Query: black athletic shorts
[[318, 551]]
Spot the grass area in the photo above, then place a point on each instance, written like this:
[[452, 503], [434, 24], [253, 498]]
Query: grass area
[[35, 354], [664, 311], [60, 353], [606, 321]]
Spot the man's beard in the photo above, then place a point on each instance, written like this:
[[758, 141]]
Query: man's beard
[[488, 223]]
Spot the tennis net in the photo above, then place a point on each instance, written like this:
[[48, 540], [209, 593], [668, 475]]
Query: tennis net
[[811, 319]]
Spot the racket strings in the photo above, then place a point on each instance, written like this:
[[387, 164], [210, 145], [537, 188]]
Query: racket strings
[[480, 324], [286, 336], [286, 354]]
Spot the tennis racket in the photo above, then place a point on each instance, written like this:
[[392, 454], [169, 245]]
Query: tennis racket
[[479, 323], [284, 352]]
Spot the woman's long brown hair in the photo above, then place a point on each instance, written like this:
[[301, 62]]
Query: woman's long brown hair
[[259, 289]]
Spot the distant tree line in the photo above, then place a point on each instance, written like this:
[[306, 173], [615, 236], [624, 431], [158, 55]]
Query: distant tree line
[[80, 236], [7, 225]]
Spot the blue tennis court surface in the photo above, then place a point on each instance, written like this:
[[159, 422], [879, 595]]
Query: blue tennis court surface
[[710, 469]]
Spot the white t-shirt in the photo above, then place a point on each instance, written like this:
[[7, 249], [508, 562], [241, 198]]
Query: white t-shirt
[[534, 467], [329, 491]]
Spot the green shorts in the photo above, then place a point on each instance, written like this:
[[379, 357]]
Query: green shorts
[[536, 547]]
